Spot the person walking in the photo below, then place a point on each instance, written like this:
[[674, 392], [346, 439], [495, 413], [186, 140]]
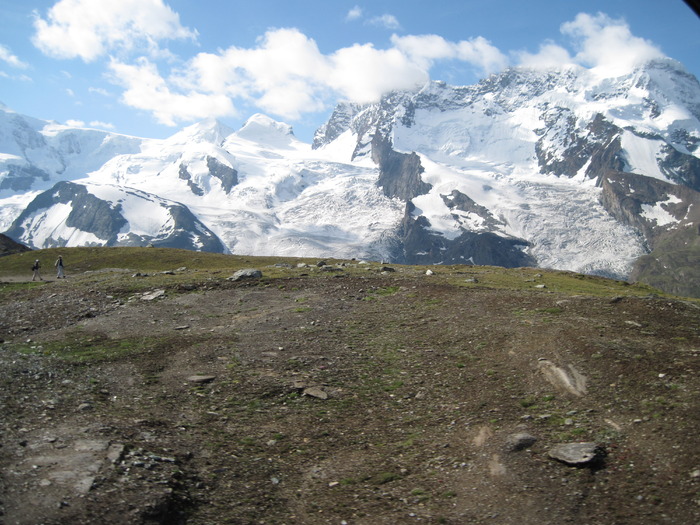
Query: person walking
[[59, 268], [35, 268]]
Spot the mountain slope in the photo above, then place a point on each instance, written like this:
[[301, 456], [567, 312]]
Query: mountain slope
[[532, 153], [561, 169]]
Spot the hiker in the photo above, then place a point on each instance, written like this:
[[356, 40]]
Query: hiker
[[59, 267], [35, 269]]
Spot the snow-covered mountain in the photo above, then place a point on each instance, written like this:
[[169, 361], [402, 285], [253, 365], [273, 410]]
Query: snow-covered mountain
[[563, 169]]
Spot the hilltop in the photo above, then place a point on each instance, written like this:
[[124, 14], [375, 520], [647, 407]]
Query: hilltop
[[151, 387]]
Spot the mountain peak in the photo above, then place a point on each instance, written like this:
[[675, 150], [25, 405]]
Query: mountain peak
[[261, 128], [208, 130]]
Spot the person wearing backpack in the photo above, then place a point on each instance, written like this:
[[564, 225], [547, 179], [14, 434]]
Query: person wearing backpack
[[59, 268], [35, 269]]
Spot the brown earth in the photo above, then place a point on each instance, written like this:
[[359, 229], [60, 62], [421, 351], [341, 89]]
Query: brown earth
[[385, 399]]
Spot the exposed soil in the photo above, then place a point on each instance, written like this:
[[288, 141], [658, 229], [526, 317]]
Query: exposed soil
[[385, 399]]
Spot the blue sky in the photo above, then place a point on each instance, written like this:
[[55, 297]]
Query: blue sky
[[150, 67]]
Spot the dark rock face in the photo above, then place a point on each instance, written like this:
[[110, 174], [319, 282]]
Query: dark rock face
[[227, 175], [563, 149], [340, 121], [459, 201], [105, 220], [625, 195], [88, 213], [680, 167], [673, 264], [420, 246], [8, 246], [399, 173], [21, 178], [189, 233], [183, 174]]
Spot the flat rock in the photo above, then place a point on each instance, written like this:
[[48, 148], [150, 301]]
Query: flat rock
[[201, 379], [153, 295], [575, 453], [316, 392], [246, 273]]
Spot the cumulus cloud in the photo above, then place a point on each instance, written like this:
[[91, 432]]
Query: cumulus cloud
[[362, 73], [285, 74], [549, 55], [10, 59], [602, 43], [87, 29], [605, 43], [145, 89], [424, 50]]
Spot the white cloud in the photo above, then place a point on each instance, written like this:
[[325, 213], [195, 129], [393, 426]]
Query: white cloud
[[387, 21], [145, 89], [286, 75], [607, 45], [10, 59], [75, 123], [101, 125], [354, 14], [549, 55], [424, 50], [88, 29], [362, 73]]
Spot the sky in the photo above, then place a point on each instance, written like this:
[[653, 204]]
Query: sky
[[150, 67]]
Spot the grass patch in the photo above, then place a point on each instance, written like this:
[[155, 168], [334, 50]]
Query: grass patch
[[83, 348], [8, 288]]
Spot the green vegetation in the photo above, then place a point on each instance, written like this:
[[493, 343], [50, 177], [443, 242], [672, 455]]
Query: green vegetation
[[121, 262], [77, 347]]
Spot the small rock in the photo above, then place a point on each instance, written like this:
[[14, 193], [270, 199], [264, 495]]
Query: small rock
[[201, 379], [316, 392], [576, 453], [387, 269], [247, 273], [520, 441], [153, 295], [428, 272], [84, 406]]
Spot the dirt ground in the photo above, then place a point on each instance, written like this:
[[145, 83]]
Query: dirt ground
[[386, 399]]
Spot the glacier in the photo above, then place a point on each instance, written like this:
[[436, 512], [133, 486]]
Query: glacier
[[532, 157]]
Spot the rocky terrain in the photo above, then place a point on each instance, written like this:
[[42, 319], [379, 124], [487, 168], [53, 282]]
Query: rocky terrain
[[166, 391]]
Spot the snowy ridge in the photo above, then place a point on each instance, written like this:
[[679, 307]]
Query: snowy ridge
[[523, 156]]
